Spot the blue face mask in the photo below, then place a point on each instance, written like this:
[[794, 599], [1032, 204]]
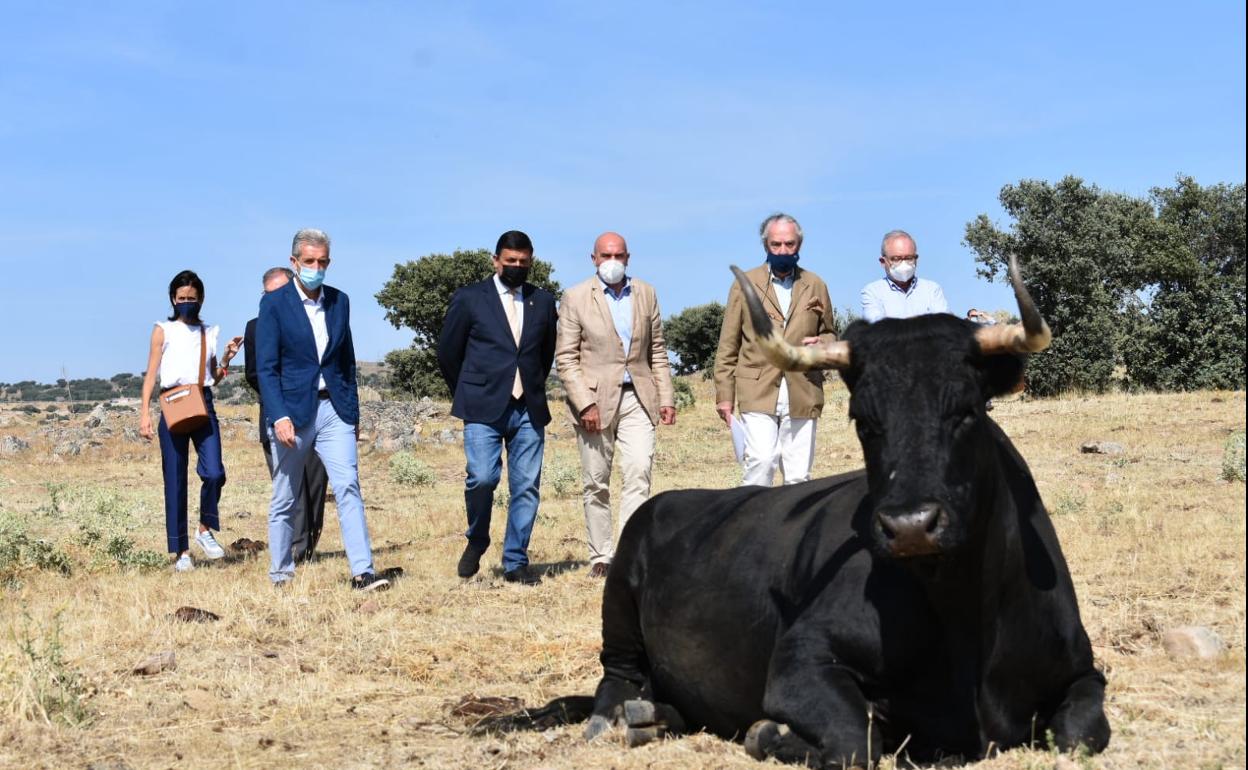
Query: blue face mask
[[186, 310], [782, 264], [311, 279]]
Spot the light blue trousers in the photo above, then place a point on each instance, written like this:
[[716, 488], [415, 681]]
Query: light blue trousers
[[334, 442]]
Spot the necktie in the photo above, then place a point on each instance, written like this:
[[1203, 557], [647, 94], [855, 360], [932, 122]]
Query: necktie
[[513, 318]]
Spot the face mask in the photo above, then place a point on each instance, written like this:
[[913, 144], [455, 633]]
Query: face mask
[[513, 276], [611, 271], [186, 310], [902, 271], [782, 264], [311, 279]]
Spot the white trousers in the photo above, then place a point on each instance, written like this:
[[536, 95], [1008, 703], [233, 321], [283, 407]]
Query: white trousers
[[777, 440], [632, 434]]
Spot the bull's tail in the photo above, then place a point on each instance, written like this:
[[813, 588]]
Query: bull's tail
[[560, 711]]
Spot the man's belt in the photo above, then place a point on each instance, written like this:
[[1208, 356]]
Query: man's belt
[[322, 394]]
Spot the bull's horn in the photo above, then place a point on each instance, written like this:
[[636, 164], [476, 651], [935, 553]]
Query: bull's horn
[[1030, 336], [790, 358]]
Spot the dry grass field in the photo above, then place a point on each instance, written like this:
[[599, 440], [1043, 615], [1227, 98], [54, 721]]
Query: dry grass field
[[320, 677]]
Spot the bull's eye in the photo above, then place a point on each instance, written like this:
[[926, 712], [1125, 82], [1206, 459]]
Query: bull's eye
[[964, 422]]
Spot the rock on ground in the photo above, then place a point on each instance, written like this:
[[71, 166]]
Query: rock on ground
[[1102, 448], [1192, 642], [11, 445]]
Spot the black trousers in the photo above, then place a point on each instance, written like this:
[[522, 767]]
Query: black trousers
[[308, 514]]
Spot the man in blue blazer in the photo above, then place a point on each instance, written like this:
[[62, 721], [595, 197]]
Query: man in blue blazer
[[496, 349], [305, 362]]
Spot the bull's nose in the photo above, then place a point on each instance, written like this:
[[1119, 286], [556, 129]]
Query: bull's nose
[[913, 530]]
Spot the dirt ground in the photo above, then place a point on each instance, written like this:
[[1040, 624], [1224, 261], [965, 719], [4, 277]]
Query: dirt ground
[[319, 676]]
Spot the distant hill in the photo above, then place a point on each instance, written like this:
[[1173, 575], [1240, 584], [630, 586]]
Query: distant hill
[[233, 389]]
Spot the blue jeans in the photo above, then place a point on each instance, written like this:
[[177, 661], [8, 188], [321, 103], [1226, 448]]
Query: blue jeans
[[483, 447], [174, 454], [334, 442]]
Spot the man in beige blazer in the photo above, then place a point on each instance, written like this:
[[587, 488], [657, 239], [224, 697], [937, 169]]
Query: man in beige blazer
[[614, 368], [778, 409]]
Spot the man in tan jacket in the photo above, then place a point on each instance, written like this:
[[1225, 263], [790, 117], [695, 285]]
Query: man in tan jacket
[[614, 369], [778, 409]]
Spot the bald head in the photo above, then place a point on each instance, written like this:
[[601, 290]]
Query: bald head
[[610, 247], [611, 244]]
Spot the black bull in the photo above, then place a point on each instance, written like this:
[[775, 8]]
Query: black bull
[[921, 603]]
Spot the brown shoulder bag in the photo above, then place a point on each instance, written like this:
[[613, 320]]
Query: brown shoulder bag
[[183, 406]]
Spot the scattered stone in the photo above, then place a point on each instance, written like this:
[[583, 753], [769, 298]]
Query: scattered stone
[[268, 654], [195, 615], [1188, 642], [97, 417], [11, 445], [243, 515], [307, 668], [392, 426], [1102, 448], [369, 607], [161, 661], [67, 449], [247, 546]]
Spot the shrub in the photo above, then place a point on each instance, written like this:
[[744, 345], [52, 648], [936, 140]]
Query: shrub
[[685, 398], [564, 479], [20, 552], [1233, 458], [408, 470], [48, 689]]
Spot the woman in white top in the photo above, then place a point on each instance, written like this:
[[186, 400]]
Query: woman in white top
[[175, 355]]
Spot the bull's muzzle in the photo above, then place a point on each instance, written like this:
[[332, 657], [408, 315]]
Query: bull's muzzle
[[913, 530]]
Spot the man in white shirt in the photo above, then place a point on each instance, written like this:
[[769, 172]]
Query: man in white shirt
[[305, 362], [900, 293]]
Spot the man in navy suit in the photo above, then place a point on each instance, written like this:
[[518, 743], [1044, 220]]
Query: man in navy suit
[[305, 361], [308, 513], [495, 351]]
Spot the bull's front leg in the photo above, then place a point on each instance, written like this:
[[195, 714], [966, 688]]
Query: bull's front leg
[[816, 712], [1080, 719]]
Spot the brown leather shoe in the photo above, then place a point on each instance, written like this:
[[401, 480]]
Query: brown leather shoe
[[599, 570]]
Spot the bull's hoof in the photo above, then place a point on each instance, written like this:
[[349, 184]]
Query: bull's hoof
[[761, 736], [639, 713], [640, 736], [597, 726]]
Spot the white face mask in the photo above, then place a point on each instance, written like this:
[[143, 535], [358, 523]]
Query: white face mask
[[611, 271], [902, 271]]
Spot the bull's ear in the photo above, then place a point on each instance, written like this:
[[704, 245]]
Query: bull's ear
[[1002, 374]]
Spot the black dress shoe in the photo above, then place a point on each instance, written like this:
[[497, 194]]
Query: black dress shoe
[[522, 575], [470, 562]]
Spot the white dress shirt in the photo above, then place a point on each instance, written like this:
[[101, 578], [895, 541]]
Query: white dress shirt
[[517, 299], [315, 308]]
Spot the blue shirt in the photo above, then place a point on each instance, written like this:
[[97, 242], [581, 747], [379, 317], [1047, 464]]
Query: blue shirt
[[621, 306], [883, 299]]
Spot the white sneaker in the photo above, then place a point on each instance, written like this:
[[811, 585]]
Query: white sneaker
[[209, 545], [184, 563]]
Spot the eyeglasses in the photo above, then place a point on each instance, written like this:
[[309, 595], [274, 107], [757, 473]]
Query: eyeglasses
[[900, 258]]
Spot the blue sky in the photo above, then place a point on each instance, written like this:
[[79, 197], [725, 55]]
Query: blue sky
[[138, 139]]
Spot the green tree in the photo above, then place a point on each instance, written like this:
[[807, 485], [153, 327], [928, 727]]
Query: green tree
[[417, 297], [1188, 331], [1081, 251], [693, 335]]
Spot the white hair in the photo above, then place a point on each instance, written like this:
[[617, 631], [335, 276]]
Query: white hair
[[309, 235], [891, 234], [778, 217]]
